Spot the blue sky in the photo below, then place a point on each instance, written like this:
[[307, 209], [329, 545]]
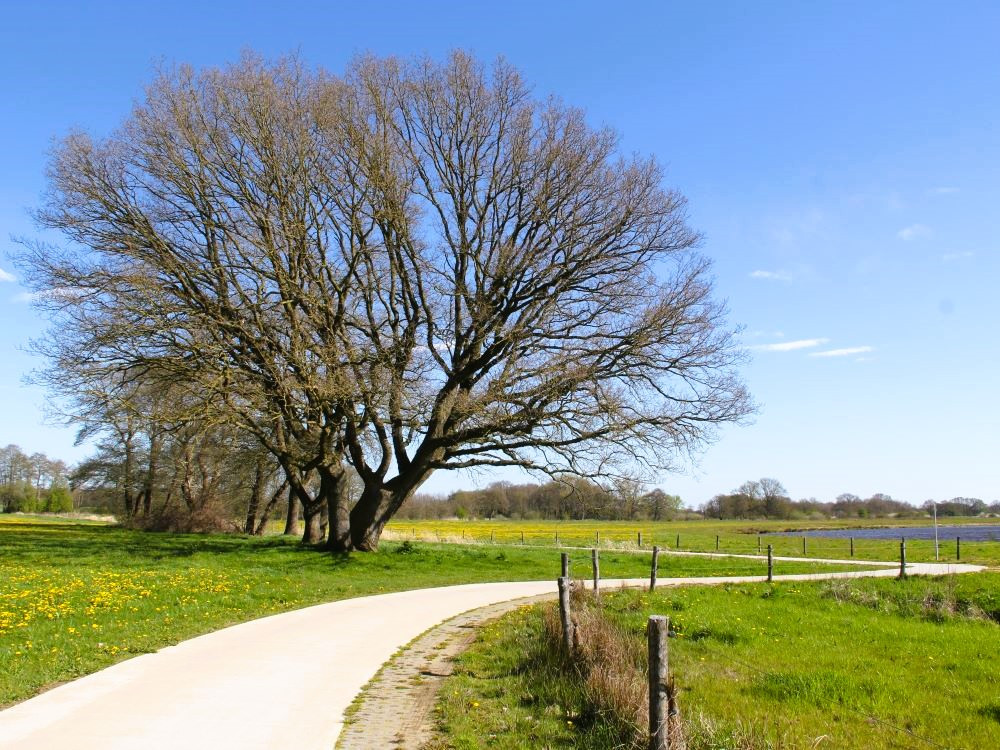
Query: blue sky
[[841, 158]]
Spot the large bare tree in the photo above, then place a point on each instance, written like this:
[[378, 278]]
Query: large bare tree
[[417, 266]]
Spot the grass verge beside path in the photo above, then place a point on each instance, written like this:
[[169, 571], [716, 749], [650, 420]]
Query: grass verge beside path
[[873, 663], [78, 597]]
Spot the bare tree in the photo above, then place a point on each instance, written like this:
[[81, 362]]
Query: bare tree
[[539, 300], [416, 267]]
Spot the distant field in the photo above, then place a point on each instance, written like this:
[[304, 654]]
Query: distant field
[[700, 536], [75, 597]]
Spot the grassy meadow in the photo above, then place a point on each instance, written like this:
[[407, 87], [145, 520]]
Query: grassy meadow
[[76, 596], [873, 663], [738, 537]]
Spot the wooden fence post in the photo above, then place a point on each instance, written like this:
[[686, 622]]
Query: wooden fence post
[[659, 701], [804, 546], [565, 565], [565, 614], [902, 558], [638, 538], [597, 541], [653, 570], [492, 537], [595, 559], [522, 537], [958, 548], [716, 542], [852, 546], [758, 544], [557, 538], [770, 563], [678, 543]]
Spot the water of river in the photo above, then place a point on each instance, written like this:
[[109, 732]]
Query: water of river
[[971, 533]]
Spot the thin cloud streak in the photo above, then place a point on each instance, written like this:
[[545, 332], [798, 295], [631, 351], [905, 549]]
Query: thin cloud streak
[[790, 346], [913, 232], [843, 352], [5, 276], [771, 275]]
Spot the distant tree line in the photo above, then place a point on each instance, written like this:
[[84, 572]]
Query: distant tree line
[[33, 483], [767, 498], [568, 498]]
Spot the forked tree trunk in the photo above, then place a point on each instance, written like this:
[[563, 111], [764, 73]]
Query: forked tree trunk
[[311, 527], [377, 504]]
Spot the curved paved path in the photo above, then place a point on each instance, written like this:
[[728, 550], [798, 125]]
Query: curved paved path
[[278, 682]]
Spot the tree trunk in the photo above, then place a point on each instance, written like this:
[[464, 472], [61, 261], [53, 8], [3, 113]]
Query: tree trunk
[[265, 515], [333, 487], [292, 515], [255, 494], [311, 531], [377, 504], [147, 490]]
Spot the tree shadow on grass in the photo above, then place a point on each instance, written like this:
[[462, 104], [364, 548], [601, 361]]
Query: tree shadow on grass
[[67, 543]]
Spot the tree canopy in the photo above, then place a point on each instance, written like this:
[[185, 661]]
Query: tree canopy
[[414, 266]]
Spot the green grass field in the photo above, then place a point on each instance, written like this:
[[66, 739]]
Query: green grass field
[[75, 597], [876, 663], [700, 536]]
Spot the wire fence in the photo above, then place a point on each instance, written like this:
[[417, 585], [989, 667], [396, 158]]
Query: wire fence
[[637, 539], [665, 728]]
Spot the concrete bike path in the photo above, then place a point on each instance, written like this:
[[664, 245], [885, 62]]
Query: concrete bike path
[[282, 681]]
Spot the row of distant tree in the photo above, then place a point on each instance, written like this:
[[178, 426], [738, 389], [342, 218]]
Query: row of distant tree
[[575, 498], [215, 478], [767, 498], [33, 483], [566, 498]]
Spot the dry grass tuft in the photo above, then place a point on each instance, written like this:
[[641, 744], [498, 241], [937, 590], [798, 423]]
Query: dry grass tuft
[[612, 666]]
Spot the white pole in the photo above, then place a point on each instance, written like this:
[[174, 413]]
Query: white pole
[[935, 531]]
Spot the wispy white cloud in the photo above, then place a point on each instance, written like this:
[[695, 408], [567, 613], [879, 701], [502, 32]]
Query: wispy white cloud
[[843, 352], [913, 232], [947, 190], [948, 257], [790, 346], [5, 276], [771, 275]]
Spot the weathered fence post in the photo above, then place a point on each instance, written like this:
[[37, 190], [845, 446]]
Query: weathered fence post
[[678, 544], [653, 570], [492, 537], [770, 563], [852, 546], [522, 537], [638, 538], [565, 565], [716, 542], [597, 541], [958, 548], [557, 538], [804, 545], [595, 559], [758, 544], [659, 700], [565, 614], [902, 558]]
